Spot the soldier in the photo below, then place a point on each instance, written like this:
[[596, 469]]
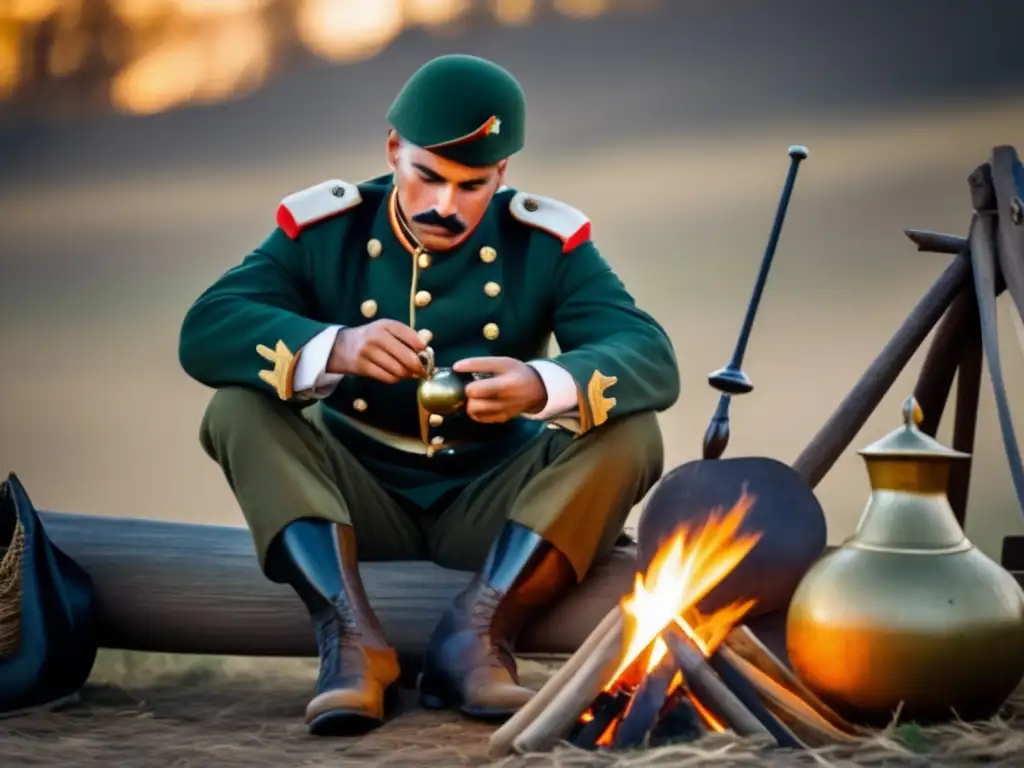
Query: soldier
[[313, 342]]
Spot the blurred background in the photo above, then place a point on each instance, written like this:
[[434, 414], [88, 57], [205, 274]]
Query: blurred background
[[144, 145]]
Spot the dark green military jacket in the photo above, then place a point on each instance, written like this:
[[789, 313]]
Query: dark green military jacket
[[529, 271]]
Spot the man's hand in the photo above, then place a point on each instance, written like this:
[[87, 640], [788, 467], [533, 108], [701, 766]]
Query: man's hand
[[513, 389], [385, 350]]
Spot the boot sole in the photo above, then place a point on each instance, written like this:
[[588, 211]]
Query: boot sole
[[437, 695], [487, 714], [441, 697], [341, 722], [350, 722]]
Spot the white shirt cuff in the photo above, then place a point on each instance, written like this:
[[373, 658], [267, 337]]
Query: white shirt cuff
[[561, 388], [311, 378]]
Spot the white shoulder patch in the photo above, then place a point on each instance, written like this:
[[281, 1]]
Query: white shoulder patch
[[321, 201], [568, 224]]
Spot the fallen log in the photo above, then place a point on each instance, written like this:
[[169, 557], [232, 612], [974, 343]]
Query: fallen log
[[176, 587], [172, 587]]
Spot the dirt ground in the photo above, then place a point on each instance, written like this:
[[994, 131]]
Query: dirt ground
[[151, 710]]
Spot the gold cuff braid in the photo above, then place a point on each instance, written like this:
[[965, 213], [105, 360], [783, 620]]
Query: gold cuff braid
[[281, 375]]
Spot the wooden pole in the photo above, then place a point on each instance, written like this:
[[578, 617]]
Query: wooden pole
[[935, 380], [1008, 189], [842, 427], [936, 242], [988, 280], [968, 393]]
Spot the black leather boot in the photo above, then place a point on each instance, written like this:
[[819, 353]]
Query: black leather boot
[[358, 668], [469, 662]]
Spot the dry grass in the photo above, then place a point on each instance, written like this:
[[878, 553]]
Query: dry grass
[[151, 710]]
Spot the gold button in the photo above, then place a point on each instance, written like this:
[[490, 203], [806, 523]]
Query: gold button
[[437, 440], [422, 298], [369, 308], [436, 420], [488, 254], [425, 335], [491, 331], [423, 260], [374, 248], [530, 204], [359, 404], [492, 289]]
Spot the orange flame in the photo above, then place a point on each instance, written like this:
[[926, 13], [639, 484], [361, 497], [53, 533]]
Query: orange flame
[[683, 571]]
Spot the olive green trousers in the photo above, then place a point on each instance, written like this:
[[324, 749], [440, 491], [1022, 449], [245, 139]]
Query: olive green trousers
[[575, 491]]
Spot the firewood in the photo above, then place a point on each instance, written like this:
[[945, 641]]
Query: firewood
[[642, 714], [572, 699], [722, 662], [501, 740], [789, 708], [605, 710], [707, 687], [678, 721], [745, 644]]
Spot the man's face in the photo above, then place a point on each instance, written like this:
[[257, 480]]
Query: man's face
[[442, 201]]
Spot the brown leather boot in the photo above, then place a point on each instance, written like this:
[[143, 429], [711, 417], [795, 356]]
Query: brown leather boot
[[358, 668], [469, 662]]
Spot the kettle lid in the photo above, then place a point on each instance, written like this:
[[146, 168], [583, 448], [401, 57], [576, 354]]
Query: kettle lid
[[908, 441]]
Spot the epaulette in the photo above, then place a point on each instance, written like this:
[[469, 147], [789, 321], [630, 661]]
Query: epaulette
[[568, 224], [321, 201]]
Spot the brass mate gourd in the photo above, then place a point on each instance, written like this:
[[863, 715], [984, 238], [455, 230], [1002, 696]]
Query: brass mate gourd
[[442, 391], [908, 613]]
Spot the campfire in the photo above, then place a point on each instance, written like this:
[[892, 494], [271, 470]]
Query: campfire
[[660, 688], [658, 671]]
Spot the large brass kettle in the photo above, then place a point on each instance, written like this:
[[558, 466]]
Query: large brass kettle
[[908, 614]]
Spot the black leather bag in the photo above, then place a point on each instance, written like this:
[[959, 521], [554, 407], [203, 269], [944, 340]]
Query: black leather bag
[[48, 638]]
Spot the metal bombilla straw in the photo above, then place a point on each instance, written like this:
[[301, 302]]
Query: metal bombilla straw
[[731, 380]]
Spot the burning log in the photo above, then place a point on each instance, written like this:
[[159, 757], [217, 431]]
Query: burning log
[[708, 688], [577, 693], [501, 740], [645, 705], [678, 721], [606, 709]]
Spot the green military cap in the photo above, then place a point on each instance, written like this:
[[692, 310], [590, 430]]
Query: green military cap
[[464, 108]]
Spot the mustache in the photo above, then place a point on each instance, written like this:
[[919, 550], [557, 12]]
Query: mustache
[[432, 218]]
